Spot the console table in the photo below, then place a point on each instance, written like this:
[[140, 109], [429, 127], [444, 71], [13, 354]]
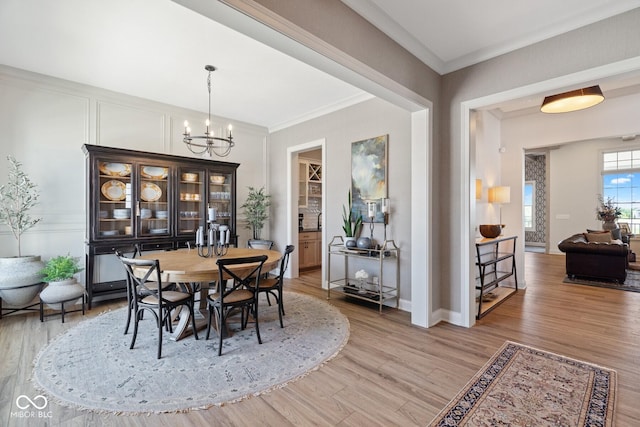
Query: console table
[[379, 289], [496, 261]]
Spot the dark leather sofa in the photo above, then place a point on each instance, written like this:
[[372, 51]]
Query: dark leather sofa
[[595, 260]]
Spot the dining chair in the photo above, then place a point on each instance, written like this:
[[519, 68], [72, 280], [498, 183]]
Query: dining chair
[[232, 293], [148, 294], [129, 296], [272, 285], [142, 291]]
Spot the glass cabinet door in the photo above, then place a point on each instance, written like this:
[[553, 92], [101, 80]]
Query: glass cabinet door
[[192, 200], [153, 205], [220, 186], [115, 199]]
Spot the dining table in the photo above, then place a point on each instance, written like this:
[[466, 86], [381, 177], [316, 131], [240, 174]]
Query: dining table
[[194, 273]]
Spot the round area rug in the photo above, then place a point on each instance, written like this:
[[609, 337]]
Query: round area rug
[[90, 366]]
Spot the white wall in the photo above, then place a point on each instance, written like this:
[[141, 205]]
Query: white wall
[[368, 119], [45, 121], [487, 165]]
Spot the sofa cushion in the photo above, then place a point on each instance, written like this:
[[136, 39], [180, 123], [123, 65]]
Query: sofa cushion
[[604, 237]]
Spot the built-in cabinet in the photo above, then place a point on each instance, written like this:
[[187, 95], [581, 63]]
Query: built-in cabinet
[[496, 262], [309, 249], [310, 181], [149, 201]]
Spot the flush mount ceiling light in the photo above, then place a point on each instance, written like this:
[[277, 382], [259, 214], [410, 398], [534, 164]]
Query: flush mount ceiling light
[[572, 101], [208, 144]]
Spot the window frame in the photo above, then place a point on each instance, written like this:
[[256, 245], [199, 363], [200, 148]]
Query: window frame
[[627, 162], [533, 206]]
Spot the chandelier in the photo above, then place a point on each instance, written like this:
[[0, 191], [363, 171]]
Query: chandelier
[[208, 144]]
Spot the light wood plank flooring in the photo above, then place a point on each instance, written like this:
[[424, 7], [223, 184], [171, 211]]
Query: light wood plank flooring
[[390, 373]]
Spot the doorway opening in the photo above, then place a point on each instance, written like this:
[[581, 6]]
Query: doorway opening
[[307, 205]]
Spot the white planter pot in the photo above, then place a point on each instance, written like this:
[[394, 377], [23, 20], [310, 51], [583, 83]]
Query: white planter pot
[[66, 291], [20, 279], [350, 242]]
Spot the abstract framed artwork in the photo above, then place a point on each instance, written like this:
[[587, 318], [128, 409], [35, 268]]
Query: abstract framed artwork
[[369, 175]]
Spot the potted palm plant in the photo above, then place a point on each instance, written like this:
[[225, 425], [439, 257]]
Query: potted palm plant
[[256, 211], [350, 225], [20, 280], [59, 272]]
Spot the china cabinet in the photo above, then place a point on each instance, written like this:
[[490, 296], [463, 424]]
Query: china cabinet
[[148, 201], [496, 262], [379, 288]]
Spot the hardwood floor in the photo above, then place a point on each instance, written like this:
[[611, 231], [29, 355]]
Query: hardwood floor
[[390, 373]]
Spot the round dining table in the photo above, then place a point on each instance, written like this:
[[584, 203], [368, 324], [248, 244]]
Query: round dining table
[[187, 268]]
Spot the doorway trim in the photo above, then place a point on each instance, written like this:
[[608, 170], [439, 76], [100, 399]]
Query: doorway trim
[[292, 200], [466, 165]]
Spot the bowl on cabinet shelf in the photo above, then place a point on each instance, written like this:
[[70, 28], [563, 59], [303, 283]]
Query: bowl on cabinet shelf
[[190, 177], [122, 213], [217, 179]]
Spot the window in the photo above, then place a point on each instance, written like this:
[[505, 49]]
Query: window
[[529, 206], [621, 182]]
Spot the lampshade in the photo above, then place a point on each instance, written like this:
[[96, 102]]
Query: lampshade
[[500, 194], [572, 101], [478, 189]]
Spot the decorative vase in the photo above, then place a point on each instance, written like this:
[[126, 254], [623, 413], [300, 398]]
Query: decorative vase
[[20, 279], [350, 242], [364, 243], [609, 225], [61, 291]]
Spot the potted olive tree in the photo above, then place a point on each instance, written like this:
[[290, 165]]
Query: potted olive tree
[[59, 272], [256, 211], [20, 279]]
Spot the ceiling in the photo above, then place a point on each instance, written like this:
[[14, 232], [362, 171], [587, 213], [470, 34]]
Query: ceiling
[[157, 49]]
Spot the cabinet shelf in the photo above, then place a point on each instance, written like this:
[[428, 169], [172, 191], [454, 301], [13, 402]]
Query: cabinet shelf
[[378, 293], [309, 181], [496, 262]]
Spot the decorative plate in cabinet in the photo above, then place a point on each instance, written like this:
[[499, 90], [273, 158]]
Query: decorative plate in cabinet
[[114, 190], [150, 192]]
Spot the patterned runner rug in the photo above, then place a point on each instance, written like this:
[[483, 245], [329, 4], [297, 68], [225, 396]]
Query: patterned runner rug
[[524, 386], [632, 282], [90, 366]]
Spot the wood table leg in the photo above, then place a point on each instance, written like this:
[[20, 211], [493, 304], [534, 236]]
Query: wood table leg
[[183, 327]]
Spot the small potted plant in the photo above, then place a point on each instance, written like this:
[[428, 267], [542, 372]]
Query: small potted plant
[[59, 272], [20, 281], [256, 210], [350, 226]]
